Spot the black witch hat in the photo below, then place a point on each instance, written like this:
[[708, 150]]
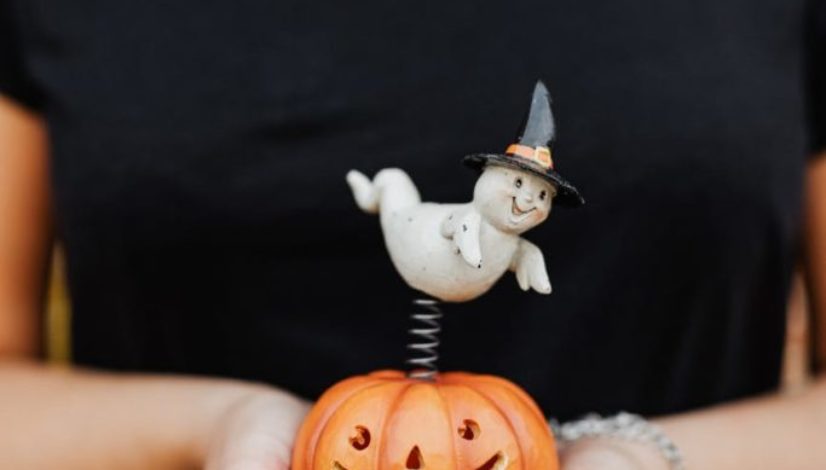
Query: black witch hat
[[532, 152]]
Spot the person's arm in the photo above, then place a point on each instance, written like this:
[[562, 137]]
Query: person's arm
[[24, 228], [815, 248], [780, 431], [74, 419], [771, 432]]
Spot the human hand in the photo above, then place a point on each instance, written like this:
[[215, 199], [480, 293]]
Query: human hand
[[256, 432], [610, 454]]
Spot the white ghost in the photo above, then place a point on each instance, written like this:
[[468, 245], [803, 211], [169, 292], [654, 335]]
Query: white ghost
[[456, 252]]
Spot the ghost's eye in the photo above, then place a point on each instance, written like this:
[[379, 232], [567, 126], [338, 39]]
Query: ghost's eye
[[518, 182], [542, 195]]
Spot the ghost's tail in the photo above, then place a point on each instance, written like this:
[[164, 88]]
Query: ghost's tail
[[390, 190]]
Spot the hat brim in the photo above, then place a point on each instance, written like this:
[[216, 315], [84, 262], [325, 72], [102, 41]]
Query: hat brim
[[567, 194]]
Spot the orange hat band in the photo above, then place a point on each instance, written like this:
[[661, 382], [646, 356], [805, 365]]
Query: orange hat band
[[539, 155]]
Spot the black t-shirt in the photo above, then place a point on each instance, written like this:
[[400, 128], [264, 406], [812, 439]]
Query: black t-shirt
[[199, 152]]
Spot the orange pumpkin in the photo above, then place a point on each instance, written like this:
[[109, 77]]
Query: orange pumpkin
[[459, 421]]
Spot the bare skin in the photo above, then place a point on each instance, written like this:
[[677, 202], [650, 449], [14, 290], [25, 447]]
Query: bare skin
[[72, 419], [75, 419]]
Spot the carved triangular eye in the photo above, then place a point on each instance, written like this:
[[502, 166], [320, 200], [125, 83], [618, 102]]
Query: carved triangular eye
[[415, 459]]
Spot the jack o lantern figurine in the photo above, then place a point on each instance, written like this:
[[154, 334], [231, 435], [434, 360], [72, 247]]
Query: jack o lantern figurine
[[424, 419], [457, 421]]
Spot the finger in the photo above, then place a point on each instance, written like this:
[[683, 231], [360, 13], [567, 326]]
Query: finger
[[255, 460], [251, 449]]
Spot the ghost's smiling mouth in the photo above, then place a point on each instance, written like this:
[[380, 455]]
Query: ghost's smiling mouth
[[518, 213]]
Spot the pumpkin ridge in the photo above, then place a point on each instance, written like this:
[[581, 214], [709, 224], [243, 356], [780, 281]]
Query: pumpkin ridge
[[389, 412], [322, 426], [450, 419], [507, 420]]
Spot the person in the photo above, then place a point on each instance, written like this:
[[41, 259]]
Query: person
[[190, 158]]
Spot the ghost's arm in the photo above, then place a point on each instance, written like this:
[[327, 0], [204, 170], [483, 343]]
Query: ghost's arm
[[462, 227], [529, 266]]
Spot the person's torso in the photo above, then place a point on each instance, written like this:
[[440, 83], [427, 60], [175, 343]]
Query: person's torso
[[199, 153]]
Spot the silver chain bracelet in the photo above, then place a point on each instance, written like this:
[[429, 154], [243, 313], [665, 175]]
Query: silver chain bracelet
[[624, 426]]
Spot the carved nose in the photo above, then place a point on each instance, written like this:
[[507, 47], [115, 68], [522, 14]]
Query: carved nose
[[414, 458], [528, 197]]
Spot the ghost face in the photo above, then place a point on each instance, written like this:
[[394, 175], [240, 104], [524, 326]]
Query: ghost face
[[511, 199]]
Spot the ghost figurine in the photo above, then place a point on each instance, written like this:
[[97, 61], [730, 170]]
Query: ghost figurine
[[456, 252]]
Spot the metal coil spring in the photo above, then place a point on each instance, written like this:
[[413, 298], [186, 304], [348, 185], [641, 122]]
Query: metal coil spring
[[427, 349]]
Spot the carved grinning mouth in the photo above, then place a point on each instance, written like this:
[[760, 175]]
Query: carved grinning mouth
[[497, 462]]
